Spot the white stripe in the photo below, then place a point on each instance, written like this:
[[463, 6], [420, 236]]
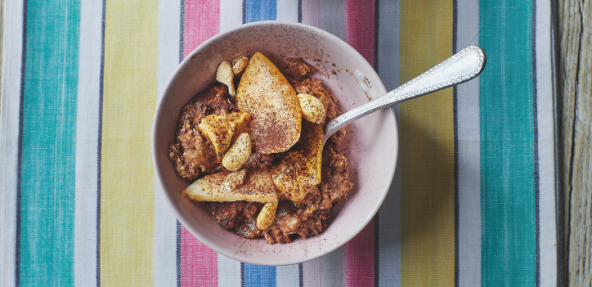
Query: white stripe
[[546, 145], [287, 276], [325, 271], [287, 10], [229, 272], [9, 129], [87, 128], [165, 223], [231, 14], [469, 156], [389, 216]]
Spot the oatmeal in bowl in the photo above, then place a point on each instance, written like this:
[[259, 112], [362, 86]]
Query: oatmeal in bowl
[[257, 156], [239, 153]]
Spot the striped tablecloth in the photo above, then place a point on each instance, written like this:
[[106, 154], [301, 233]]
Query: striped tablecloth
[[472, 203]]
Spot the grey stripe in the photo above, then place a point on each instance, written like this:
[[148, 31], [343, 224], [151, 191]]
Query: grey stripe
[[388, 43], [389, 221], [469, 181], [332, 18], [328, 270], [333, 266]]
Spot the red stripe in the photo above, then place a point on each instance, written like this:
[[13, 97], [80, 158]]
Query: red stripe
[[359, 258], [360, 251], [360, 27], [199, 264]]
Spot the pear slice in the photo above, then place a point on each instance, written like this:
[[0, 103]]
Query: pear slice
[[223, 130], [232, 186], [301, 168], [267, 215], [266, 94], [313, 137]]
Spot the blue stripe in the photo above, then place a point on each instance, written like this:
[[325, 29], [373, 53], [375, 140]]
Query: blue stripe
[[260, 10], [256, 275], [47, 179]]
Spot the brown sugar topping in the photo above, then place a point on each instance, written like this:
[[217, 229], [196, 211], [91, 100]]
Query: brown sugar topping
[[194, 157]]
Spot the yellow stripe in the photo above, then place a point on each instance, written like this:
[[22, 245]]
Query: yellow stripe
[[427, 150], [127, 176]]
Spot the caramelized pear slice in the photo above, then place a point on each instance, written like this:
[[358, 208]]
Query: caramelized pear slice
[[225, 76], [238, 154], [242, 122], [301, 168], [218, 130], [239, 65], [267, 215], [290, 177], [222, 130], [313, 109], [232, 186], [312, 146], [266, 94]]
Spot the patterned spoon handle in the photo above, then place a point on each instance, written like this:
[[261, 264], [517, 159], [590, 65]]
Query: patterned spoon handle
[[459, 68]]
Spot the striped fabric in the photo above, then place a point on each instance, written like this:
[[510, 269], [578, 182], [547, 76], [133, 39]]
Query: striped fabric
[[472, 202]]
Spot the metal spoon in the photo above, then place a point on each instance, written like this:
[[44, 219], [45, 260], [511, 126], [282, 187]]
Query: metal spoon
[[461, 67]]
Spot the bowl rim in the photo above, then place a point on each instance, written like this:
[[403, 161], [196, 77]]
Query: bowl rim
[[159, 114]]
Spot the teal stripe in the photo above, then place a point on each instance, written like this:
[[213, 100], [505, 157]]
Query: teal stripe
[[507, 145], [48, 143]]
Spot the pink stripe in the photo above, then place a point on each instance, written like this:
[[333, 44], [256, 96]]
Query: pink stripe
[[199, 264], [311, 12], [360, 27], [359, 258], [360, 251], [312, 273], [202, 21]]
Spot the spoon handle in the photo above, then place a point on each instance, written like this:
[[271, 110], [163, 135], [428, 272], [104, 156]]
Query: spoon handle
[[460, 67]]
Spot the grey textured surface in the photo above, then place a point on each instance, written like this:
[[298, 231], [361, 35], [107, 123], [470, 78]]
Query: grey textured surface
[[575, 84]]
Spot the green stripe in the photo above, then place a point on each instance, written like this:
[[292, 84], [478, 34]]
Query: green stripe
[[508, 254], [48, 143]]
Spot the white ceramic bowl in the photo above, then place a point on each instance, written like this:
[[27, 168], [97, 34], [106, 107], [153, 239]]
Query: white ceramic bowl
[[371, 145]]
